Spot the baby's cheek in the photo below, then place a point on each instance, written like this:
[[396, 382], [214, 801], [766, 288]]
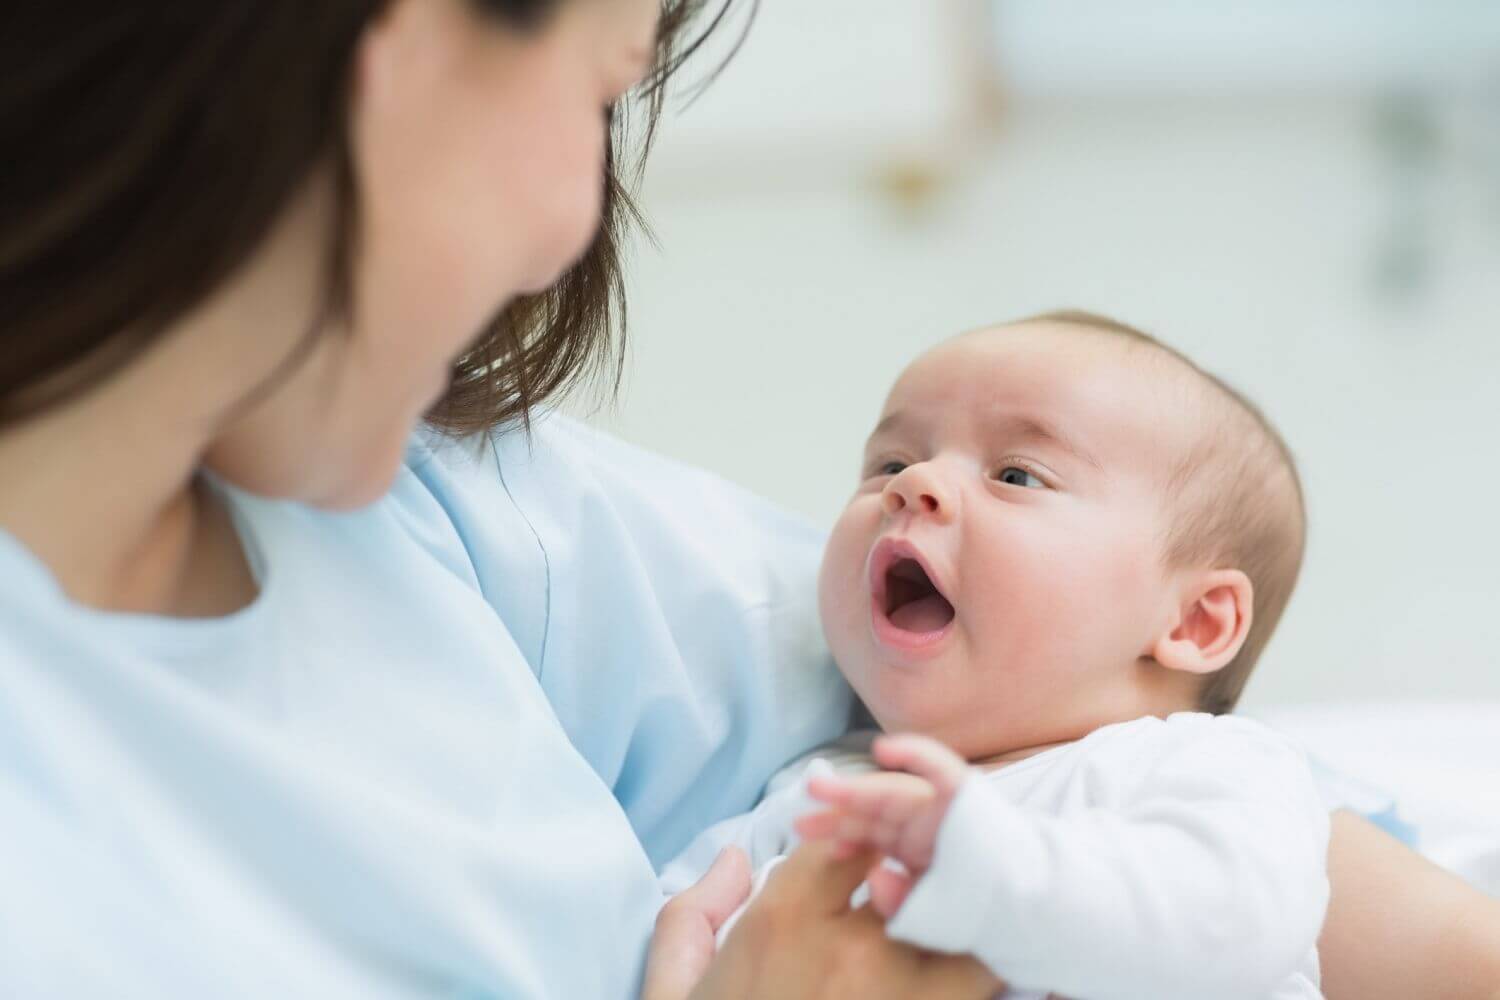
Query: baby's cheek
[[1127, 578], [841, 589], [1117, 587], [1034, 596]]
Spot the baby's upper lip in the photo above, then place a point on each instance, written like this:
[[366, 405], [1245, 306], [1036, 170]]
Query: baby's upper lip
[[890, 550]]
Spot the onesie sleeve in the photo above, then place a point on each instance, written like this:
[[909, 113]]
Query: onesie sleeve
[[1203, 876]]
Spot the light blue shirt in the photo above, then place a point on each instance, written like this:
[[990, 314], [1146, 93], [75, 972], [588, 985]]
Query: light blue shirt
[[442, 754]]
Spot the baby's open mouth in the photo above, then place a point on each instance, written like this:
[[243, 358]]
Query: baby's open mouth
[[912, 602]]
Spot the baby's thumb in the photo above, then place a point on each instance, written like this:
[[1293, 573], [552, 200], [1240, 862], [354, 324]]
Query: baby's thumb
[[683, 945], [888, 890]]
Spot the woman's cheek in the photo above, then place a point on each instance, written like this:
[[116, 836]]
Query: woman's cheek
[[564, 213]]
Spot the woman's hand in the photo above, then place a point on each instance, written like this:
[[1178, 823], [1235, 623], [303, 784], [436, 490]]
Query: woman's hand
[[801, 940], [683, 945], [1399, 926]]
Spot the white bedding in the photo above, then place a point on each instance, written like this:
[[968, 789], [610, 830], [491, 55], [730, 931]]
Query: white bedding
[[1440, 761]]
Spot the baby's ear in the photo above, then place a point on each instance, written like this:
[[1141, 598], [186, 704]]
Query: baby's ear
[[1211, 622]]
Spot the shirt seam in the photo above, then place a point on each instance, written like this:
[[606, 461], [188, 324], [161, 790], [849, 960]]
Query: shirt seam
[[541, 659]]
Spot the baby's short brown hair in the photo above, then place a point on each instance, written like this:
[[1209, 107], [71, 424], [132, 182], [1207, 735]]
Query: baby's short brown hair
[[1235, 502]]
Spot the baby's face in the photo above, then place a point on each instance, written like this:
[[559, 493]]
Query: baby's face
[[997, 577]]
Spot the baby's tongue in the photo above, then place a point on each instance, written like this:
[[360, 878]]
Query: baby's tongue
[[925, 614]]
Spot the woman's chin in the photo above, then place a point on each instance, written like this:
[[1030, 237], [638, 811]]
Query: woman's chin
[[363, 486]]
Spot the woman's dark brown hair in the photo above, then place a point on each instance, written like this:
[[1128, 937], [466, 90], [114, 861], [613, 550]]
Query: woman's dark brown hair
[[148, 147]]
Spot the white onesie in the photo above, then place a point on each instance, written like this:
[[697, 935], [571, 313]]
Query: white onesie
[[1159, 858]]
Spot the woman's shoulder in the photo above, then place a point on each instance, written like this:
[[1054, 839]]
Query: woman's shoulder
[[669, 615], [579, 492], [569, 460]]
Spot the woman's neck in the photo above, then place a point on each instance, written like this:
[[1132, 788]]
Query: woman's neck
[[118, 515], [105, 488]]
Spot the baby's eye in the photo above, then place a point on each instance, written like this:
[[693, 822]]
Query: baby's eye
[[891, 468], [1015, 475]]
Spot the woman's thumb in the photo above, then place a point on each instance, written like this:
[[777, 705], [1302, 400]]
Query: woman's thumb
[[683, 945], [722, 888]]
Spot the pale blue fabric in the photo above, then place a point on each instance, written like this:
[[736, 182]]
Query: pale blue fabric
[[442, 754]]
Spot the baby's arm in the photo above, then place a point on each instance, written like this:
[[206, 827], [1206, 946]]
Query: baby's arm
[[1204, 878]]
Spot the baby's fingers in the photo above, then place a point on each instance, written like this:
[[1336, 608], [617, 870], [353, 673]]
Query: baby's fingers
[[829, 789], [834, 824], [888, 889], [886, 794], [923, 757], [818, 825], [850, 832]]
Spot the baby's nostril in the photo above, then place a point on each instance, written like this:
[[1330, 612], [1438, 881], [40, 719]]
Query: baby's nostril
[[929, 503]]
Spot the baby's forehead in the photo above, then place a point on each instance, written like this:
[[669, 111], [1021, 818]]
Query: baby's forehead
[[1135, 398], [1050, 361]]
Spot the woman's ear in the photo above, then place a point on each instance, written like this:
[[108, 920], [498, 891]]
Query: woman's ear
[[1213, 617]]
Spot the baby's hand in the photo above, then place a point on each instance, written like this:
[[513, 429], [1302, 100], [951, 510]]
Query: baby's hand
[[896, 813]]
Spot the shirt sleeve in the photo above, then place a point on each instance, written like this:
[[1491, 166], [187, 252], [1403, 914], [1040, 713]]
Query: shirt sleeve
[[1204, 876], [670, 616]]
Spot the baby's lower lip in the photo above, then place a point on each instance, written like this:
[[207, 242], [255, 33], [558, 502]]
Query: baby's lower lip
[[912, 645]]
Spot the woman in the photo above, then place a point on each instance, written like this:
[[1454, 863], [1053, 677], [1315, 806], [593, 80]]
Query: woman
[[297, 703]]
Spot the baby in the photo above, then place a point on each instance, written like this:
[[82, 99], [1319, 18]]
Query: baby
[[1067, 550]]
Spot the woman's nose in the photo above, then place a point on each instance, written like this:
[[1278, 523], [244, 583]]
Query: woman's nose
[[918, 490]]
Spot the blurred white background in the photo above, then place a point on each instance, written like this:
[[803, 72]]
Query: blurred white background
[[1304, 196]]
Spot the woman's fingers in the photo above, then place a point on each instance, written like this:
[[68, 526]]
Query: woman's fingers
[[956, 977], [800, 940], [931, 976], [683, 944], [816, 874]]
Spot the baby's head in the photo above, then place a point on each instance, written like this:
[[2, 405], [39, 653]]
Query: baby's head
[[1061, 523]]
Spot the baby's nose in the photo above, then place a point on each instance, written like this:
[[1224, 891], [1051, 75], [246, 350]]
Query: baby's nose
[[917, 491]]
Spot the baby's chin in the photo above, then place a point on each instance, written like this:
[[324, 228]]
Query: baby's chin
[[900, 699], [932, 700]]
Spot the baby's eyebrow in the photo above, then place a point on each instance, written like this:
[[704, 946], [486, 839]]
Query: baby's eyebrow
[[1016, 426], [1035, 429], [897, 422], [889, 422]]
